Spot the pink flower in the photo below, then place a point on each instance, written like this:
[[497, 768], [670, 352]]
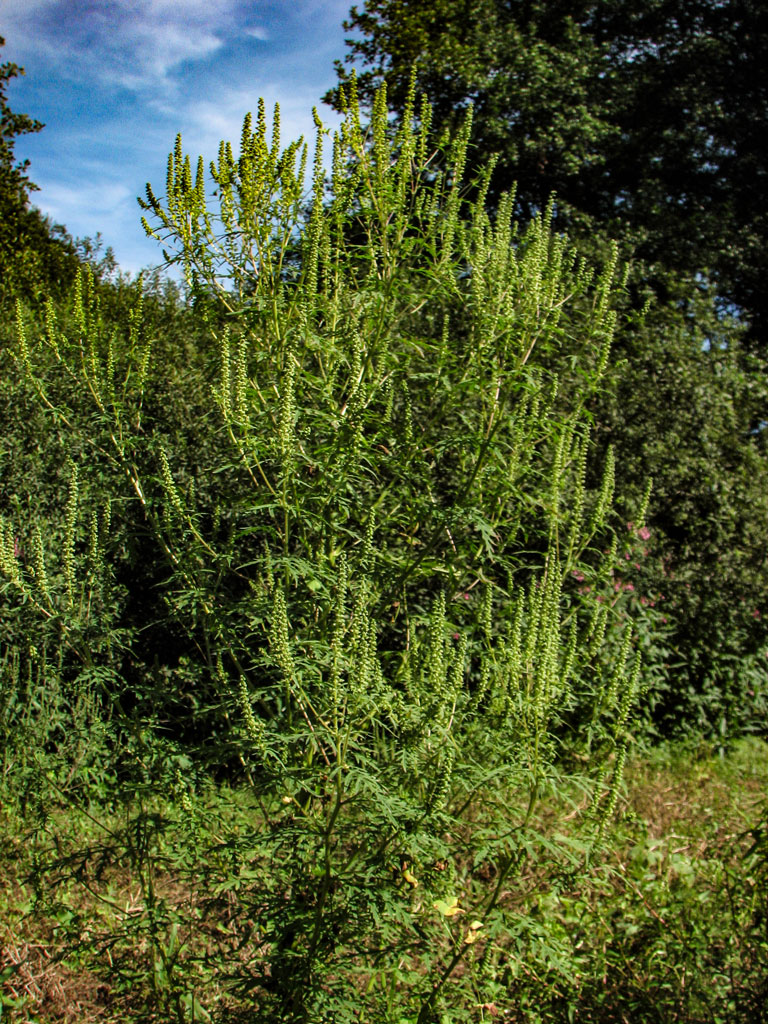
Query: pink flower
[[630, 527], [578, 575], [629, 586], [617, 586], [644, 533], [756, 613]]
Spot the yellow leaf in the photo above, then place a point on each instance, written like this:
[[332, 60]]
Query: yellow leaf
[[449, 909]]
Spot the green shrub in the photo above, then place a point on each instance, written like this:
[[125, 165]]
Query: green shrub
[[693, 425], [368, 543]]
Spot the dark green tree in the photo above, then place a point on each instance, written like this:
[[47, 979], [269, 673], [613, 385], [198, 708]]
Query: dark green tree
[[645, 116], [15, 178], [679, 405], [37, 257]]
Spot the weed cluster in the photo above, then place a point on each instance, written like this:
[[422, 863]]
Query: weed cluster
[[366, 552]]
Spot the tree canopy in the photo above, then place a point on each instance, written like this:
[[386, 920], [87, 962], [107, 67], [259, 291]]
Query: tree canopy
[[37, 257], [643, 116]]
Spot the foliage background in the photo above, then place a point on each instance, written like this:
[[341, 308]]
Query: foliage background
[[644, 120], [332, 525]]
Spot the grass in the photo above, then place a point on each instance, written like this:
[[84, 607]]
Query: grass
[[108, 923], [679, 923]]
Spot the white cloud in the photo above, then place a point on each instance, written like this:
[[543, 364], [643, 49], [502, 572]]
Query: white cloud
[[257, 33], [160, 50], [17, 21], [92, 204], [13, 10], [135, 43], [210, 11]]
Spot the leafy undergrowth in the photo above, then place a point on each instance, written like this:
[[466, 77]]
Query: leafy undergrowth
[[111, 918]]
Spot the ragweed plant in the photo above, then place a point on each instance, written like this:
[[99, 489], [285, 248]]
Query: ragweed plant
[[378, 592]]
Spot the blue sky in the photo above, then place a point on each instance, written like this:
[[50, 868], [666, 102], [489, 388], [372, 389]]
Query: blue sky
[[115, 80]]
